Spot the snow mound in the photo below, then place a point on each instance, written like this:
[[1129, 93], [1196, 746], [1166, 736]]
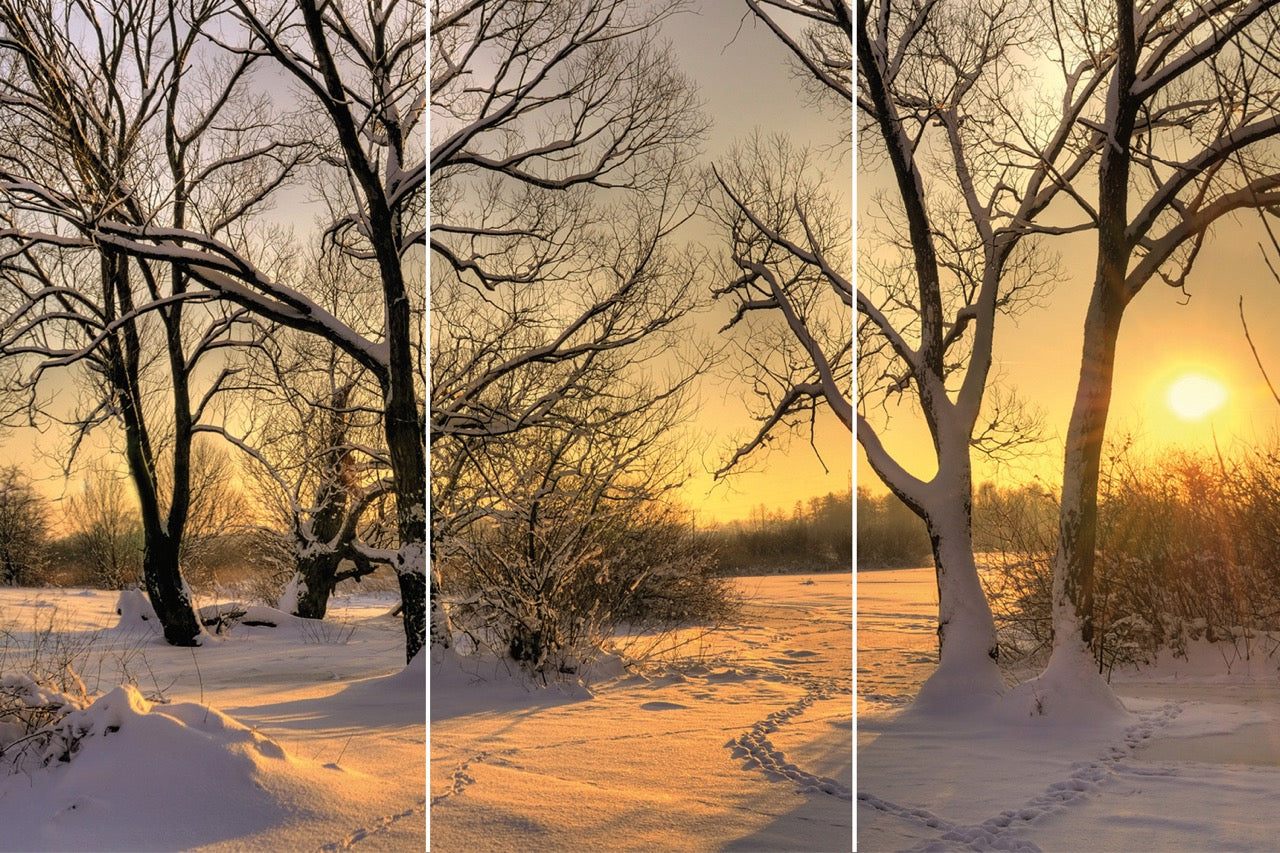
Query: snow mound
[[120, 762], [396, 698], [1070, 691], [955, 691], [409, 682], [135, 611], [461, 683]]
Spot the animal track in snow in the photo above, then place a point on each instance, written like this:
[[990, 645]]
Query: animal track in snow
[[755, 749], [382, 824], [461, 778]]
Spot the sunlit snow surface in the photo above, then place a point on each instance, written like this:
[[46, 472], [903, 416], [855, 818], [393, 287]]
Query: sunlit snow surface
[[1195, 767], [741, 742], [298, 737]]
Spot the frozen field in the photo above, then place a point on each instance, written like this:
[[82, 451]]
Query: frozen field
[[297, 737], [1195, 766], [738, 741]]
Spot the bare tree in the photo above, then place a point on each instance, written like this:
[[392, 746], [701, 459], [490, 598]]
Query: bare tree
[[975, 158], [1173, 106], [24, 527], [1192, 106], [363, 67], [101, 93], [552, 556], [320, 495], [789, 237], [314, 451], [362, 72]]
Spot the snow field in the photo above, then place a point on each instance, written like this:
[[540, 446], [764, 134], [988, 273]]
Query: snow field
[[739, 741], [1193, 765], [295, 737]]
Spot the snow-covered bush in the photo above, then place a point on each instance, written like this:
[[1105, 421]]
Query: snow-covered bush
[[548, 535], [39, 686], [548, 594], [31, 722]]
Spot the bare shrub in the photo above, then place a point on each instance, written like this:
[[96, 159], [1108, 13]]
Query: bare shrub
[[24, 528], [42, 690], [106, 532], [268, 560], [551, 604], [39, 686], [1188, 549], [30, 714], [1016, 531]]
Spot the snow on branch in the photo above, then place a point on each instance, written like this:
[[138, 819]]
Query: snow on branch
[[826, 49], [230, 274]]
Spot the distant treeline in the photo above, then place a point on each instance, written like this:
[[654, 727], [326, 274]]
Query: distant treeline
[[817, 535], [891, 536]]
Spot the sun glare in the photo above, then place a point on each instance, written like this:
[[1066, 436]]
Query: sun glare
[[1195, 396]]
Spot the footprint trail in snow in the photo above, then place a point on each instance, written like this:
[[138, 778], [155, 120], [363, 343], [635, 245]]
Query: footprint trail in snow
[[994, 833], [754, 747]]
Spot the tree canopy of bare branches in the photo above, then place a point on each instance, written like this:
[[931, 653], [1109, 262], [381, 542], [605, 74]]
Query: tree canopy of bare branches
[[562, 142], [823, 49], [789, 263], [788, 270]]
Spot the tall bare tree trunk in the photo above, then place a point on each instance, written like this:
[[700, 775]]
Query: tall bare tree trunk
[[161, 573], [168, 594], [1071, 683], [403, 421], [406, 439], [1073, 568]]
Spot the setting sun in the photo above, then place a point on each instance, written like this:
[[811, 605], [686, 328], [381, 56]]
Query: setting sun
[[1195, 396]]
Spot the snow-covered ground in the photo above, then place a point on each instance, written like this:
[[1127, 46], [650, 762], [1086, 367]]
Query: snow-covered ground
[[1195, 766], [740, 740], [297, 737]]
